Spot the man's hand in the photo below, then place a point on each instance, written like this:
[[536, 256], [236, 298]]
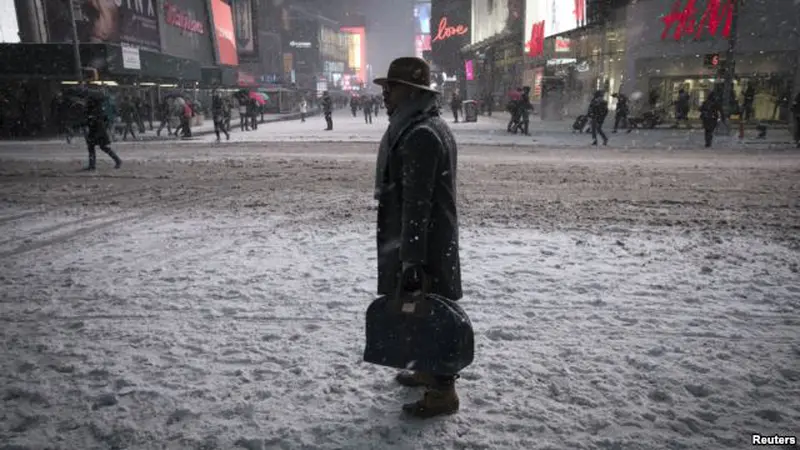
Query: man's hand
[[412, 279]]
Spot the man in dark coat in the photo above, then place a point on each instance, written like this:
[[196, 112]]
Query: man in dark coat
[[327, 109], [366, 107], [621, 116], [128, 112], [218, 115], [796, 114], [710, 113], [598, 110], [97, 134], [417, 214]]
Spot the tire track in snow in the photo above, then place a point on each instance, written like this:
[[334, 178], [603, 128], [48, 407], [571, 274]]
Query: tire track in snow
[[115, 218], [74, 201]]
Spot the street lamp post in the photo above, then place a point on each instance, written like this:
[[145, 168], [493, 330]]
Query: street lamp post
[[730, 67], [75, 44]]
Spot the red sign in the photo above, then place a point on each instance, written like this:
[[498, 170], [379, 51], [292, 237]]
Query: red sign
[[177, 18], [689, 21], [226, 37], [446, 31], [580, 11], [536, 44]]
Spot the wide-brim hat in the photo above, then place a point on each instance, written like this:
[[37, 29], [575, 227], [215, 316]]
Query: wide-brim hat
[[408, 70]]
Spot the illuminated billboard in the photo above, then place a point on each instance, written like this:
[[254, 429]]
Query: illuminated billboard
[[357, 50], [563, 15], [545, 18]]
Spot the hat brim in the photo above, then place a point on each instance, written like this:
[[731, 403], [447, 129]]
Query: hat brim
[[385, 81]]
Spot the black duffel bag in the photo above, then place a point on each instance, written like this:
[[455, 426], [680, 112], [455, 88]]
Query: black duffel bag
[[417, 331]]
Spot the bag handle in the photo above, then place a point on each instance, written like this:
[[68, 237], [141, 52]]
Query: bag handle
[[412, 303]]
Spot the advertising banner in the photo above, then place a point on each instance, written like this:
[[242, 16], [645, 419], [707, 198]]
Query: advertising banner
[[113, 22], [245, 27], [469, 70], [226, 36], [535, 20], [186, 30], [563, 15]]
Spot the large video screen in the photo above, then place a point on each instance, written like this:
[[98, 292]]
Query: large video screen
[[422, 18], [563, 15]]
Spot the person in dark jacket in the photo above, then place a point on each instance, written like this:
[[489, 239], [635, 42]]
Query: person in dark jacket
[[623, 109], [127, 111], [327, 109], [749, 99], [252, 112], [455, 105], [796, 114], [353, 105], [415, 186], [60, 112], [97, 134], [525, 108], [682, 107], [598, 110], [164, 114], [366, 107], [218, 115], [710, 112]]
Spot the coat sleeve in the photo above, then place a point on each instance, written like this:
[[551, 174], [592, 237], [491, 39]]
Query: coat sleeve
[[420, 159]]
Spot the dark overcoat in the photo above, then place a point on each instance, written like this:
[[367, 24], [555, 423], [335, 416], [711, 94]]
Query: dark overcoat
[[417, 213]]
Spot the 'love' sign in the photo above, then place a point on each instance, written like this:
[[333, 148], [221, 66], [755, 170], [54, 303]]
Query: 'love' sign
[[446, 32]]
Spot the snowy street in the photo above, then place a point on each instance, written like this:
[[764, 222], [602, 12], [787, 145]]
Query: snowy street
[[212, 296]]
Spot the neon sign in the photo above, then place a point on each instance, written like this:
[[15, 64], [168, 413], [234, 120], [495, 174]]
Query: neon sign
[[689, 21], [177, 18], [536, 44], [446, 32]]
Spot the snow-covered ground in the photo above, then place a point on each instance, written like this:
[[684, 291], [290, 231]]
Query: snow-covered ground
[[213, 298]]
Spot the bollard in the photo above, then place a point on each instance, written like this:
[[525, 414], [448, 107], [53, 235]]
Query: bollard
[[741, 129]]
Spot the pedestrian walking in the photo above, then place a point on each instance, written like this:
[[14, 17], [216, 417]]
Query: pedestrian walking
[[128, 114], [710, 114], [353, 105], [366, 107], [164, 115], [796, 114], [60, 113], [415, 186], [598, 110], [525, 107], [455, 105], [623, 109], [244, 123], [97, 134], [376, 105], [327, 109], [252, 112], [218, 115], [303, 109], [748, 101], [682, 106]]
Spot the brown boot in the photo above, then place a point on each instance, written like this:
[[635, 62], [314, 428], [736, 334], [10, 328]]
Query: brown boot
[[437, 401], [414, 379]]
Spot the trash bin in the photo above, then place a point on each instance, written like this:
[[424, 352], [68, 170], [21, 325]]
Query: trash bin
[[470, 110]]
